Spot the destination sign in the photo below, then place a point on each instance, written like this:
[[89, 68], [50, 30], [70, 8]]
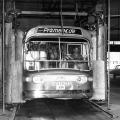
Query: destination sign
[[60, 30]]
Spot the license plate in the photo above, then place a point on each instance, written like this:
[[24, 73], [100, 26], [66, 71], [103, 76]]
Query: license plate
[[60, 87]]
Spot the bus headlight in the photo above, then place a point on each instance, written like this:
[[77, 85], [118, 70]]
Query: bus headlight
[[37, 79], [28, 79], [82, 79]]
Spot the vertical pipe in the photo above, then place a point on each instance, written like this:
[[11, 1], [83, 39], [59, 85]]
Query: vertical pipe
[[97, 37], [105, 12], [3, 55], [76, 9], [61, 17], [60, 52], [108, 80], [62, 28]]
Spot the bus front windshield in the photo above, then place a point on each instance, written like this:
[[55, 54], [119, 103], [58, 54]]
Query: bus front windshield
[[56, 53]]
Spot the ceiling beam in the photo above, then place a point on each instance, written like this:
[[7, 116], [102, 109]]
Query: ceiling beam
[[115, 16]]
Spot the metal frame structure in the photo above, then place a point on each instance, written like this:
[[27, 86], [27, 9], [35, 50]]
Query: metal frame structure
[[51, 13]]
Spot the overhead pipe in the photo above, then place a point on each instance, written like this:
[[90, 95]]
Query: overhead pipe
[[52, 13]]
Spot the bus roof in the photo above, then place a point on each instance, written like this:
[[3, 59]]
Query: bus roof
[[57, 31]]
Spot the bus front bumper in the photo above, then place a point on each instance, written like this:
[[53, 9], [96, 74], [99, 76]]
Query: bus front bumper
[[70, 94]]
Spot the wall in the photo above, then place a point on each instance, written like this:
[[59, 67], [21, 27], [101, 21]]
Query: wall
[[114, 59]]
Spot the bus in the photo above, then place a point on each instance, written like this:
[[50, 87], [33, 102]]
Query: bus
[[60, 63]]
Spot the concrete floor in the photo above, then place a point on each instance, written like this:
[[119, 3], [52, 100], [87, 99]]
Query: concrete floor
[[114, 101]]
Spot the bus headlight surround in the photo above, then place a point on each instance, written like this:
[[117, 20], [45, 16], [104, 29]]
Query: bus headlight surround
[[90, 79]]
